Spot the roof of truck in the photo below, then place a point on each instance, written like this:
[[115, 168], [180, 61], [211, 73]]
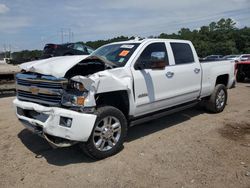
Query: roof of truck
[[137, 40]]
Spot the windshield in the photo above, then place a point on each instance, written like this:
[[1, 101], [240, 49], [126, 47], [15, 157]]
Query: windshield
[[118, 54]]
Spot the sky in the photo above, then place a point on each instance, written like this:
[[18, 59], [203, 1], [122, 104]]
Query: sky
[[30, 24]]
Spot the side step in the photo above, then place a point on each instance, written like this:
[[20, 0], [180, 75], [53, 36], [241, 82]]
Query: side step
[[161, 113]]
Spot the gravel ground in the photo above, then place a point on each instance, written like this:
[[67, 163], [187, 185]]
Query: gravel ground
[[187, 149], [7, 85], [7, 68]]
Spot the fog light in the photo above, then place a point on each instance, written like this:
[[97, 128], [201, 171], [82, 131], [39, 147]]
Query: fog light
[[65, 121]]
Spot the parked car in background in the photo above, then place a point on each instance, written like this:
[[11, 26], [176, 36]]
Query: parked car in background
[[242, 70], [213, 58], [244, 57], [52, 50], [231, 57]]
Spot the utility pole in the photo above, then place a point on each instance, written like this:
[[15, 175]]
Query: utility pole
[[69, 34], [10, 50], [66, 33], [62, 33], [72, 36], [4, 48]]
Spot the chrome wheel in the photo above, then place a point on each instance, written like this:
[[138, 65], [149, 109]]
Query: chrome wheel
[[107, 133], [220, 100]]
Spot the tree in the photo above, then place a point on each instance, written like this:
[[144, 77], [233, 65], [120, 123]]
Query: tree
[[221, 37]]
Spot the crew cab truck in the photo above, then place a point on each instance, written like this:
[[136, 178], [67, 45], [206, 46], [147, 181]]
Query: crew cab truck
[[92, 100]]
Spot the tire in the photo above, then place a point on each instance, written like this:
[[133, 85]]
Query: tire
[[108, 134], [217, 101]]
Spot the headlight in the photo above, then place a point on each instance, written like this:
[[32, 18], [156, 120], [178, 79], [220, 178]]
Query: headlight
[[72, 100], [77, 85], [74, 94]]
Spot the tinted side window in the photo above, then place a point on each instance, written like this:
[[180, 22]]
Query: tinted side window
[[153, 52], [182, 53]]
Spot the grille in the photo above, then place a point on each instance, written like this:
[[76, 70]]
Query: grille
[[45, 90], [39, 84]]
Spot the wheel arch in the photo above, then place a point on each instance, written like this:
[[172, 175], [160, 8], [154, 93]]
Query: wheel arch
[[118, 99], [222, 79]]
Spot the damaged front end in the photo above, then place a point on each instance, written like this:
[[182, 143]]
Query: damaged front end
[[72, 90], [59, 109], [61, 106]]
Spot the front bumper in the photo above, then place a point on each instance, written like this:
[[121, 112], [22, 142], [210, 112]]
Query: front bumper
[[80, 130]]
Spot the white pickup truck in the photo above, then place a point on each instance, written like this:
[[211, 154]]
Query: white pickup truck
[[92, 100]]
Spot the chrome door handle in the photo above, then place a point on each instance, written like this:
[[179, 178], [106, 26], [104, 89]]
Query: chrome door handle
[[169, 74], [196, 70]]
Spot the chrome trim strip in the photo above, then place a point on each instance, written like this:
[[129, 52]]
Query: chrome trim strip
[[40, 90], [40, 80], [170, 98]]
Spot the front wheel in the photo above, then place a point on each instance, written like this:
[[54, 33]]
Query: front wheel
[[108, 133], [217, 100]]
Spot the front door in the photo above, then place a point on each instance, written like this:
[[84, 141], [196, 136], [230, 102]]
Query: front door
[[149, 83]]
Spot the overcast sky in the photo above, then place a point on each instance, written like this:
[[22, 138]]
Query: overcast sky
[[29, 24]]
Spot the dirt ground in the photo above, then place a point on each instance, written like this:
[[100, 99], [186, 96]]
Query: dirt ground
[[8, 68], [187, 149]]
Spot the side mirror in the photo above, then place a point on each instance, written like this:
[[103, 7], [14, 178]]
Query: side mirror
[[158, 60], [158, 65]]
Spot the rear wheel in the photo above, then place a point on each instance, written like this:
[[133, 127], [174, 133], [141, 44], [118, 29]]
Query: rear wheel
[[218, 99], [108, 133]]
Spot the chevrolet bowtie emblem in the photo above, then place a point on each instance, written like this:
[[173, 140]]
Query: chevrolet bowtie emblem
[[34, 90]]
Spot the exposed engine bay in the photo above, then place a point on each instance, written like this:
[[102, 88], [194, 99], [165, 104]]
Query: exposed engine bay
[[72, 87], [90, 65]]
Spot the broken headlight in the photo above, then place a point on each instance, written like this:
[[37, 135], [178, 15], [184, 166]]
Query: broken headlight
[[71, 99], [74, 94], [77, 85]]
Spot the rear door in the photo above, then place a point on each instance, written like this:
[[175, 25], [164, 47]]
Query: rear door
[[186, 80]]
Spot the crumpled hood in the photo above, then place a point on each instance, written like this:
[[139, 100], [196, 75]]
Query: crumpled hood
[[55, 66]]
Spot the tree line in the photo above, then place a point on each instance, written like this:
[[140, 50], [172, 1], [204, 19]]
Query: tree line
[[222, 37]]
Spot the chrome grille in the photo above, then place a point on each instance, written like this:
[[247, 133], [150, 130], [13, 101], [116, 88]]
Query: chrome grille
[[39, 84], [39, 89]]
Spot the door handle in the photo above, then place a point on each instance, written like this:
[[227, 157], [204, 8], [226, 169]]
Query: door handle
[[169, 74], [196, 70]]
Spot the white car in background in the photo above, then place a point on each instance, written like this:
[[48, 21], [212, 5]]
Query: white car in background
[[231, 57], [244, 57]]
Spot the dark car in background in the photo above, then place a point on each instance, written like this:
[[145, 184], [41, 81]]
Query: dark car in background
[[52, 50]]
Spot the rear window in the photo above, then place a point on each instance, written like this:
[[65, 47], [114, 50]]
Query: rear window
[[182, 53]]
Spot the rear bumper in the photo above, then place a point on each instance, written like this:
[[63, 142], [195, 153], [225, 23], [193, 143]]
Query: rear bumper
[[49, 121]]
